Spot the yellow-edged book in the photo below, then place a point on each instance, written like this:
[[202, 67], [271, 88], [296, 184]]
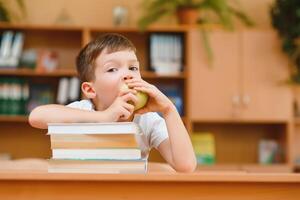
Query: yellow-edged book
[[90, 141]]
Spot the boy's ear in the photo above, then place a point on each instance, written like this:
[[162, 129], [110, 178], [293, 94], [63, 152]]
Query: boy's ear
[[88, 90]]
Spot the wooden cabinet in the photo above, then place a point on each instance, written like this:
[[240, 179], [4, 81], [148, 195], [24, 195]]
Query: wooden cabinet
[[213, 87], [240, 98], [264, 68], [244, 82]]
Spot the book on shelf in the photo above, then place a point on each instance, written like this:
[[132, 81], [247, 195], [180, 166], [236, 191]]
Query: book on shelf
[[14, 96], [68, 90], [175, 94], [40, 94], [11, 49], [6, 43], [269, 151], [204, 147], [98, 166]]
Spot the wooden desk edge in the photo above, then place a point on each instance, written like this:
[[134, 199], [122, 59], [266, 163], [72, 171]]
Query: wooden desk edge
[[155, 176]]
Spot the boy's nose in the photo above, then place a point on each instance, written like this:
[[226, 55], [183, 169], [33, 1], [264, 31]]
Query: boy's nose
[[127, 77]]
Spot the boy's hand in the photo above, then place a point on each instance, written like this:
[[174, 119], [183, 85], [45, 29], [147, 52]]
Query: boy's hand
[[157, 102], [120, 109]]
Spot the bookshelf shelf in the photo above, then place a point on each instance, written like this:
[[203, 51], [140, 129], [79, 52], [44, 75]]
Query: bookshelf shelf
[[13, 118], [30, 72]]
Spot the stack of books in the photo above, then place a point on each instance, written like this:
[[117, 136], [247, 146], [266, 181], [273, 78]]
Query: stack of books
[[95, 148]]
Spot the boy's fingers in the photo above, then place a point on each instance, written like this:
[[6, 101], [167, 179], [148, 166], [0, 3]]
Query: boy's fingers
[[125, 114], [129, 107], [136, 81], [130, 97], [137, 84], [122, 93], [149, 91]]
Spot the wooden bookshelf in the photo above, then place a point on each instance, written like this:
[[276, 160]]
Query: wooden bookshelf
[[67, 42], [206, 90]]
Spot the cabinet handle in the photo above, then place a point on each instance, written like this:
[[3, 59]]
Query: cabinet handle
[[246, 100], [236, 100]]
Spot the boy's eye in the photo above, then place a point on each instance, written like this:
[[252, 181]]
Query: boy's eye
[[112, 70], [133, 68]]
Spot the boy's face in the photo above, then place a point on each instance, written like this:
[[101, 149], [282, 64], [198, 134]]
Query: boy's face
[[110, 71]]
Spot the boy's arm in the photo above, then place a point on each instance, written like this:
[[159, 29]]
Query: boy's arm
[[177, 149], [118, 110], [41, 115]]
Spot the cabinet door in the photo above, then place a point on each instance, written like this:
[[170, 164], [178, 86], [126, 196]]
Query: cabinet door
[[212, 88], [264, 67]]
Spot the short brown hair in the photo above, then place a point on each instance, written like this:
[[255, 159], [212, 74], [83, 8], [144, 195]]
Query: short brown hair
[[112, 42]]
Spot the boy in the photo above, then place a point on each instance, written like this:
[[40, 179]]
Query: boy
[[103, 65]]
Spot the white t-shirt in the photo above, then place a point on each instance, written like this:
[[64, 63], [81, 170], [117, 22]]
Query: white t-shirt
[[153, 127]]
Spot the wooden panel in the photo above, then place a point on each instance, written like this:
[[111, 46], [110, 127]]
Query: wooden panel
[[238, 143], [22, 141], [213, 87], [264, 67], [296, 144]]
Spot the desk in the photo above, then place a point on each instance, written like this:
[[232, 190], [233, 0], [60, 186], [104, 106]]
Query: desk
[[30, 180]]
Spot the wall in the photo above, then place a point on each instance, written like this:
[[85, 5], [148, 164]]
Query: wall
[[99, 12]]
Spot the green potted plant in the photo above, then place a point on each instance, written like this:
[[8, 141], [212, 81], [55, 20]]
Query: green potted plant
[[194, 12], [7, 15], [285, 17]]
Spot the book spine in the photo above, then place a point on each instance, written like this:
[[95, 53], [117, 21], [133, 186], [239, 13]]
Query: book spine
[[62, 94], [113, 154]]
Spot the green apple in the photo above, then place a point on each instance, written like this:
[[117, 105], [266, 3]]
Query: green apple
[[141, 96]]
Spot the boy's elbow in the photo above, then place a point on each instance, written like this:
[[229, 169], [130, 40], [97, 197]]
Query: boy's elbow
[[35, 119], [186, 167]]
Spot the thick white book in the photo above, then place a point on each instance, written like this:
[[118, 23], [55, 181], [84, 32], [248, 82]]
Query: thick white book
[[17, 45], [6, 44], [94, 128], [109, 154], [98, 166]]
